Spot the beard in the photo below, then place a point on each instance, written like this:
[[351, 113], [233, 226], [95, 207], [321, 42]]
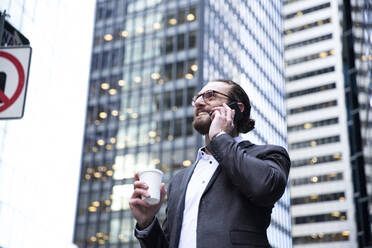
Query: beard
[[202, 124]]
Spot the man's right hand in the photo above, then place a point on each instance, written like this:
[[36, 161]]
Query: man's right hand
[[142, 211]]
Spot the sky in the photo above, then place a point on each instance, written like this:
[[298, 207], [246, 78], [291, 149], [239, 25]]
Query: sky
[[40, 154]]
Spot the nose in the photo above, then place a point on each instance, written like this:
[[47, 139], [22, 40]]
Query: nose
[[199, 102]]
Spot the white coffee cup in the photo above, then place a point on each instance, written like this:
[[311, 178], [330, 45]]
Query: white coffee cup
[[152, 177]]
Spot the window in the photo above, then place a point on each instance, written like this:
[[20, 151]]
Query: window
[[308, 42], [179, 98], [321, 238], [310, 74], [179, 70], [177, 128], [310, 57], [316, 160], [317, 179], [180, 16], [307, 26], [311, 90], [306, 11], [105, 59], [180, 42], [313, 107], [314, 142], [104, 11], [171, 129], [285, 2], [192, 39], [95, 62], [335, 216], [181, 45], [165, 129], [169, 44], [339, 196], [314, 124]]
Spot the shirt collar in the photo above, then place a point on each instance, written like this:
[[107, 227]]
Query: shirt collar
[[201, 151]]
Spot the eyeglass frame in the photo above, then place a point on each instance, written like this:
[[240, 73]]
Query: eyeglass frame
[[195, 98]]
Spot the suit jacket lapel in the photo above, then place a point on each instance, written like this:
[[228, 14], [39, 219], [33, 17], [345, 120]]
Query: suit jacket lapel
[[213, 179], [218, 170], [183, 187]]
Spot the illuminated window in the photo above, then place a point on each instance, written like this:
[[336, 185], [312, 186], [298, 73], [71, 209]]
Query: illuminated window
[[308, 42], [315, 142], [313, 107], [311, 90], [306, 11], [310, 74], [316, 160], [317, 179], [309, 57], [120, 196], [321, 238], [108, 37], [307, 26], [335, 216], [339, 196]]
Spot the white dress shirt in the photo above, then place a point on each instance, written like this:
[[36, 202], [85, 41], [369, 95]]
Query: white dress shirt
[[205, 166], [203, 172]]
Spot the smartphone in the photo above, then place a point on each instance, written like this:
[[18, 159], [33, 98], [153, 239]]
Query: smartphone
[[238, 114]]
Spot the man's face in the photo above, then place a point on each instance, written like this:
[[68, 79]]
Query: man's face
[[202, 107]]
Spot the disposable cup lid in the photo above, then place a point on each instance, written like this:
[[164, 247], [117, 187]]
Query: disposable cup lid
[[151, 170]]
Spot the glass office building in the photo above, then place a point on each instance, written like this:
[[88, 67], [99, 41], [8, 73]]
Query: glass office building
[[149, 58]]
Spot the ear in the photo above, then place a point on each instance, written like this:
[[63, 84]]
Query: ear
[[241, 106]]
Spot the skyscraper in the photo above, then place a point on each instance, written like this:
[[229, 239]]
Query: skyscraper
[[322, 138], [149, 58]]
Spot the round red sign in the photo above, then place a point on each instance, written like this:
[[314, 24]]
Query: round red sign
[[8, 101]]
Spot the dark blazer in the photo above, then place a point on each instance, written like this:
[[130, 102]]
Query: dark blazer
[[235, 208]]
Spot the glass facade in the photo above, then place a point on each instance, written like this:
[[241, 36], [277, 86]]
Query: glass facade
[[148, 59]]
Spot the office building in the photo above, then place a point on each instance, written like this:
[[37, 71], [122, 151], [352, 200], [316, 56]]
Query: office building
[[148, 59], [323, 183]]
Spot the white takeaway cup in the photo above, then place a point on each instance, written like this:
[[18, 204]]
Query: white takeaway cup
[[152, 177]]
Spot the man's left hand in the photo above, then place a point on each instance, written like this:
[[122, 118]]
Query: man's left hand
[[222, 120]]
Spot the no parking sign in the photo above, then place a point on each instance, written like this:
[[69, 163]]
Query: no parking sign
[[14, 68]]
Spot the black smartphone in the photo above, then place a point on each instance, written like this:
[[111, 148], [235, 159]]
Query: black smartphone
[[238, 114]]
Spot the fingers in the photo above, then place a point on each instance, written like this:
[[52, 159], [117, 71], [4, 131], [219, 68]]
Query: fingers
[[139, 184], [134, 202], [136, 177], [163, 192], [217, 111], [138, 193], [229, 113], [225, 112]]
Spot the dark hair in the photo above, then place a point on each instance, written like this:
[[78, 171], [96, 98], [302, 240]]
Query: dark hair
[[236, 92]]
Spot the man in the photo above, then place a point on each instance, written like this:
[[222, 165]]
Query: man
[[226, 197]]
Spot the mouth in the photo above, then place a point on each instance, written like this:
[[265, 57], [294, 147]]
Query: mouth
[[203, 112]]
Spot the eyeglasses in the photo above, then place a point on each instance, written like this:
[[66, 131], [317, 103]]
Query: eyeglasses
[[208, 96]]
